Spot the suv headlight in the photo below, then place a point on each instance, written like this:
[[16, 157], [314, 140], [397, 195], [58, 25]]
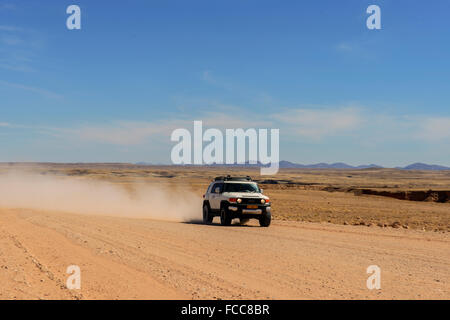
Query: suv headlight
[[263, 201], [239, 200]]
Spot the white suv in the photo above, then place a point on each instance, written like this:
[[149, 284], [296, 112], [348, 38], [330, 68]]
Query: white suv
[[236, 197]]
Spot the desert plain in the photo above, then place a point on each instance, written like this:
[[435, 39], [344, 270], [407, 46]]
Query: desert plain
[[135, 232]]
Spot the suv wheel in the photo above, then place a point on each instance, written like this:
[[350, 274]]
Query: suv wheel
[[207, 217], [265, 219], [225, 218]]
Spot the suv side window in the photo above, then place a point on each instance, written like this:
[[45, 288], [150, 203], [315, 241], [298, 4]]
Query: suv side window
[[219, 184], [212, 187]]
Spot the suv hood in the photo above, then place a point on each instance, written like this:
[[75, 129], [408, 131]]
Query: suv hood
[[254, 195]]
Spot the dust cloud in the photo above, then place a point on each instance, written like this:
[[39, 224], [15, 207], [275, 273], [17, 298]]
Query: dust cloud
[[77, 195]]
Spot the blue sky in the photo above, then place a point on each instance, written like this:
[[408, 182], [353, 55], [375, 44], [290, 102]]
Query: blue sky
[[115, 89]]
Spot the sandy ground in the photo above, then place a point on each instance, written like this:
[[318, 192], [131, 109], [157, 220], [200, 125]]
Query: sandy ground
[[124, 258], [311, 195]]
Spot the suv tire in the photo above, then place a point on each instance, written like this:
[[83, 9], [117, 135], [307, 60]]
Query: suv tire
[[207, 217], [265, 219], [225, 218]]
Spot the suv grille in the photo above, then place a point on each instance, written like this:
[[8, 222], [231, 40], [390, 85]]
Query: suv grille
[[251, 201]]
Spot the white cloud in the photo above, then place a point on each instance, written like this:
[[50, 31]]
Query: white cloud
[[362, 48], [135, 133], [345, 47], [353, 124], [16, 67], [319, 123], [9, 28], [218, 82], [7, 6], [18, 46], [309, 124], [11, 40], [42, 92], [434, 129], [207, 76], [123, 133]]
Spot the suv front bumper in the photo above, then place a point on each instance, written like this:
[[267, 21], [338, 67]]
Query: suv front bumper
[[241, 211]]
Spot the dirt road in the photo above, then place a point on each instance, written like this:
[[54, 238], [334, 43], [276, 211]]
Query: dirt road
[[147, 259]]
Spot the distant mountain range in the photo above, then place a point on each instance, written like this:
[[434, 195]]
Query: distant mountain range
[[424, 166], [337, 165], [341, 165]]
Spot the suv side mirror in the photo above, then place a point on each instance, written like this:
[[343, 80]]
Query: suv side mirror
[[261, 190], [217, 190]]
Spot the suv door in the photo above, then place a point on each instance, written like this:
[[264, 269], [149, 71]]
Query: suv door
[[208, 192], [215, 198]]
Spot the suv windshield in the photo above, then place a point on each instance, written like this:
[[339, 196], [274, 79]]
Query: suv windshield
[[241, 187]]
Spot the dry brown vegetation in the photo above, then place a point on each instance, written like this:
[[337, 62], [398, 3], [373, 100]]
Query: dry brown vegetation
[[326, 196]]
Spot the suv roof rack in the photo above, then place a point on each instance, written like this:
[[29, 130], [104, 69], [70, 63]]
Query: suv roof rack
[[230, 178]]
